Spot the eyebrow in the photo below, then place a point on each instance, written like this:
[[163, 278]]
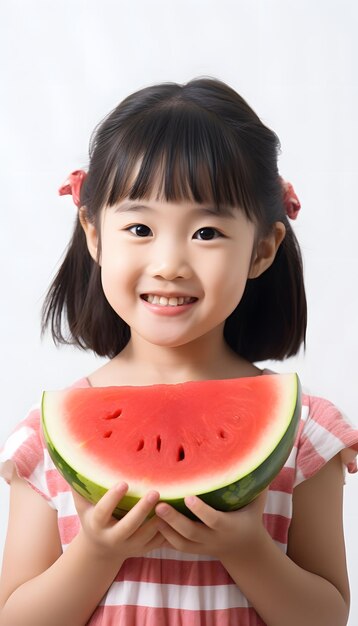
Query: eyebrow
[[203, 210]]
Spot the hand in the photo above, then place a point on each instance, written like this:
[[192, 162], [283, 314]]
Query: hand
[[133, 535], [218, 533]]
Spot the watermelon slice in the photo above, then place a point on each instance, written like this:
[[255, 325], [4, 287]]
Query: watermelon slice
[[224, 440]]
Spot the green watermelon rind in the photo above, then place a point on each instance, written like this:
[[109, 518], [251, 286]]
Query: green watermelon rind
[[227, 498]]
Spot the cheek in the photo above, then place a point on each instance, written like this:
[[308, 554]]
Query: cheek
[[236, 281], [228, 275], [232, 291], [113, 280]]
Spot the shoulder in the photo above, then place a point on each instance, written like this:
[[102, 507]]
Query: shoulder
[[323, 433], [24, 446], [26, 452]]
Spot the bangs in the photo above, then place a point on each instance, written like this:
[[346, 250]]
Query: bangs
[[181, 152]]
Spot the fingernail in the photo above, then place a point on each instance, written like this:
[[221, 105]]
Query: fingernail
[[190, 500], [122, 486], [162, 510], [152, 497]]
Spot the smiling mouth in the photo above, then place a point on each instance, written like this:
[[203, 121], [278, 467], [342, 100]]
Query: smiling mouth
[[164, 301]]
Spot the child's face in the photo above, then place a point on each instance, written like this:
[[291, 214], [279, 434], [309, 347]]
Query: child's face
[[173, 271]]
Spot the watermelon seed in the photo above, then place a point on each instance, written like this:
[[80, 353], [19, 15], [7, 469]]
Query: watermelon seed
[[107, 434], [114, 415], [159, 443], [223, 434], [140, 445], [181, 454]]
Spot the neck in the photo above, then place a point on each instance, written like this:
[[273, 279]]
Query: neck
[[206, 358]]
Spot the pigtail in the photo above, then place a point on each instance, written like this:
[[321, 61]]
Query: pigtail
[[75, 307], [68, 288], [270, 321]]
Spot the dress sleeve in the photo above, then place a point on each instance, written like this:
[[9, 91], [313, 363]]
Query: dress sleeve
[[325, 432], [25, 451]]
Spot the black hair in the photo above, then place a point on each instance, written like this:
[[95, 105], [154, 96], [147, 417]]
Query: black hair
[[200, 142]]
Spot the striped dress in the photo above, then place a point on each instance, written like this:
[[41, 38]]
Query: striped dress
[[170, 588]]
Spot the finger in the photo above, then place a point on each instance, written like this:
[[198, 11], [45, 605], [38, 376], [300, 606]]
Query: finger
[[81, 504], [185, 527], [146, 531], [138, 514], [209, 516], [258, 504], [155, 542], [104, 508], [149, 531], [176, 541]]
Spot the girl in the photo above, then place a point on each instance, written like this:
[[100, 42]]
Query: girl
[[182, 266]]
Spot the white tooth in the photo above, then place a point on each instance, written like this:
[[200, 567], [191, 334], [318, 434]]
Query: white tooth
[[156, 300], [150, 298], [174, 301], [181, 300], [163, 301]]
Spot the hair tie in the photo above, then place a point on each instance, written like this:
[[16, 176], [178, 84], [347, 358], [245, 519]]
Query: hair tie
[[290, 200], [72, 186]]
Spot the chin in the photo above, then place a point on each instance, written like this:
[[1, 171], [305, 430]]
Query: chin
[[168, 341]]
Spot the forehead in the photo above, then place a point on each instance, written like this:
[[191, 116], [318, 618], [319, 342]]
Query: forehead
[[156, 203]]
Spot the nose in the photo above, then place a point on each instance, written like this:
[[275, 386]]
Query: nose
[[170, 260]]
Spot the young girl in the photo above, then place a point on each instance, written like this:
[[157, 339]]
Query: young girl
[[182, 266]]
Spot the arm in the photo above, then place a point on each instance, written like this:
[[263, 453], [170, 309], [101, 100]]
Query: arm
[[48, 587], [309, 585]]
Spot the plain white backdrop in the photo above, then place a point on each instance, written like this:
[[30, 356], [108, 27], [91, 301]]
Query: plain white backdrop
[[66, 64]]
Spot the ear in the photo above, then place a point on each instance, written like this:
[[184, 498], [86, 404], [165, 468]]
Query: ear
[[90, 232], [266, 249]]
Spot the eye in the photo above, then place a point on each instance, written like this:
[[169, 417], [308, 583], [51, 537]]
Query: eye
[[140, 230], [207, 233]]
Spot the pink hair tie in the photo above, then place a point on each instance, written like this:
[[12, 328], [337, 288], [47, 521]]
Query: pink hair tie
[[72, 186], [290, 200]]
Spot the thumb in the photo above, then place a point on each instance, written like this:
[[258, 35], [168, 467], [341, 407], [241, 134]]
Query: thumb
[[82, 504], [258, 503]]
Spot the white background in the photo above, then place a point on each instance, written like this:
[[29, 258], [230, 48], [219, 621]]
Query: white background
[[65, 64]]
